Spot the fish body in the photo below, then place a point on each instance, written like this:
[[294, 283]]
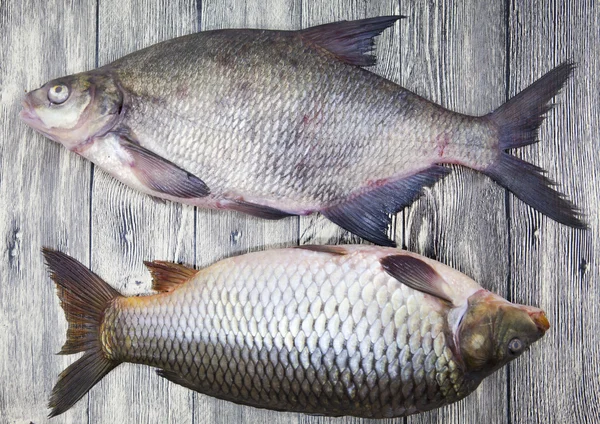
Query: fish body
[[279, 123], [354, 330]]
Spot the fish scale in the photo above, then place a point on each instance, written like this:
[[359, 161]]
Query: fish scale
[[246, 324], [251, 150]]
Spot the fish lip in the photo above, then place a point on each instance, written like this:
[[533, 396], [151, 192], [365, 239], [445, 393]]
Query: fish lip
[[29, 117], [540, 320], [28, 114]]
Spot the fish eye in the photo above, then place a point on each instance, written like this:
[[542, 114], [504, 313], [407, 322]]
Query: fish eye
[[58, 94], [516, 346]]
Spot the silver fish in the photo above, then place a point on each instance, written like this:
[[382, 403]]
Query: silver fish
[[280, 123], [353, 330]]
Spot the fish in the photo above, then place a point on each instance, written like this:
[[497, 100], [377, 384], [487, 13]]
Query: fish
[[359, 330], [285, 123]]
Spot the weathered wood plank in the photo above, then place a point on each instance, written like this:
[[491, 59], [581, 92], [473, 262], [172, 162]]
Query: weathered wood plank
[[45, 202], [222, 233], [129, 227], [552, 265], [453, 54]]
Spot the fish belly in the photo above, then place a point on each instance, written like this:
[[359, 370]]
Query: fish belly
[[304, 332]]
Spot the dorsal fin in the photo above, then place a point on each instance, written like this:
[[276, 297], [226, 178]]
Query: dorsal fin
[[416, 274], [167, 276], [334, 250], [350, 41]]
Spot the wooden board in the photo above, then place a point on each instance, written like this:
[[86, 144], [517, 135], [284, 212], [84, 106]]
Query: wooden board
[[465, 55], [449, 57], [553, 266], [45, 194]]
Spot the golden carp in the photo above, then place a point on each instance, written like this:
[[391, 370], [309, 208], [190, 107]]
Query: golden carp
[[334, 330]]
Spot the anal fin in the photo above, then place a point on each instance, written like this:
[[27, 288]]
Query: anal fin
[[368, 214], [174, 377], [254, 209], [161, 175]]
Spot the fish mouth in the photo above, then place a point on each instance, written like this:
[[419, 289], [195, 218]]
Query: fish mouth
[[28, 114], [538, 317], [31, 118], [540, 320]]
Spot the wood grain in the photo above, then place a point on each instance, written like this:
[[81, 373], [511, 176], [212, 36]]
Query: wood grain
[[45, 202], [465, 55], [453, 53], [552, 265]]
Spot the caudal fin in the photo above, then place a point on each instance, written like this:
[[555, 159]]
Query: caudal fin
[[518, 121], [84, 297]]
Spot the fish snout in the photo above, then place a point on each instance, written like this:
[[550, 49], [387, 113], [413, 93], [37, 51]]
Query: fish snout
[[539, 318], [27, 113]]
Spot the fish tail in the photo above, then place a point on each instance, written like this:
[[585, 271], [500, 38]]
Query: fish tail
[[84, 298], [518, 122]]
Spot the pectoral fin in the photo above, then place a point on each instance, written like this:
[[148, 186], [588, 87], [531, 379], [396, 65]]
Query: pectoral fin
[[161, 175], [416, 274]]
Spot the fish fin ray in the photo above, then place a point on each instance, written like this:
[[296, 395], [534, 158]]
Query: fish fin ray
[[260, 211], [368, 215], [161, 175], [334, 250], [78, 379], [528, 183], [84, 297], [176, 378], [416, 274], [351, 42], [167, 276], [518, 122], [520, 117]]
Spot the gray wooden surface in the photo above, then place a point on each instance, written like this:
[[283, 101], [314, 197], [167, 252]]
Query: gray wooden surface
[[468, 56]]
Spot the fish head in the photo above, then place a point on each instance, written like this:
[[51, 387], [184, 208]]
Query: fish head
[[73, 109], [494, 331]]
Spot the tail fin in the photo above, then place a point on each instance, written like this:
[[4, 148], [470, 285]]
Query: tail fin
[[84, 297], [518, 121]]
